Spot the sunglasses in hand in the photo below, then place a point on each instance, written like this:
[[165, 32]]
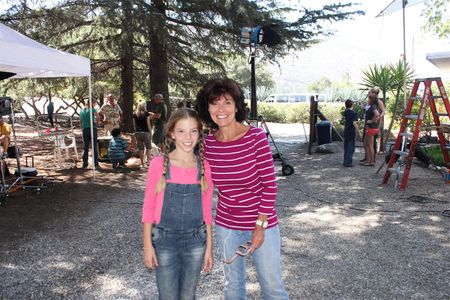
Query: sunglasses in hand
[[242, 250]]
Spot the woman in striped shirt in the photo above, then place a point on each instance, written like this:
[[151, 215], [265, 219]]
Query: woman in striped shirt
[[242, 169]]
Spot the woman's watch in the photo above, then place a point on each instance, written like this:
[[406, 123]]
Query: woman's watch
[[262, 223]]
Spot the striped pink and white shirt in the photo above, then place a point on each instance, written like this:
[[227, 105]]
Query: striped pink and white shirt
[[244, 174]]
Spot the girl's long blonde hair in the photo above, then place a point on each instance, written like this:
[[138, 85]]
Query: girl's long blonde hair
[[141, 109], [178, 114]]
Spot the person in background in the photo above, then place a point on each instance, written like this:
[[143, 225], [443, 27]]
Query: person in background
[[177, 210], [117, 150], [143, 132], [351, 127], [159, 110], [5, 135], [372, 121], [381, 109], [85, 117], [110, 114], [243, 171], [50, 110]]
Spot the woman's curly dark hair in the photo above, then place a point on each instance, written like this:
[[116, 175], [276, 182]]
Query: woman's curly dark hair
[[215, 88]]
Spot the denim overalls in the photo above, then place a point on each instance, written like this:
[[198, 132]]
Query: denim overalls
[[180, 240]]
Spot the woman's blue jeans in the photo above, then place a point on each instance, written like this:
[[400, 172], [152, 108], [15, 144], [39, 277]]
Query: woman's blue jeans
[[266, 260]]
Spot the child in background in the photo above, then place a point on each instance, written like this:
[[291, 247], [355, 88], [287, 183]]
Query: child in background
[[351, 126], [117, 150], [177, 209]]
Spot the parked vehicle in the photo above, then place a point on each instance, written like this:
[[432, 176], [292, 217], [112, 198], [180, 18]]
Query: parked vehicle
[[294, 98]]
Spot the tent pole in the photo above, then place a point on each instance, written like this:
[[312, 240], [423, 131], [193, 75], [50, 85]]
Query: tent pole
[[91, 120]]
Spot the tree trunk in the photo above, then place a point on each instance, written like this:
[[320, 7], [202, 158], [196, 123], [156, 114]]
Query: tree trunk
[[127, 67], [159, 71]]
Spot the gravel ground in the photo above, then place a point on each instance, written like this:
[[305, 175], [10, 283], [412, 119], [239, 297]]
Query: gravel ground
[[344, 236]]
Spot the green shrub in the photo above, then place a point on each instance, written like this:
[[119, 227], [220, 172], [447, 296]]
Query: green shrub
[[297, 112], [435, 154]]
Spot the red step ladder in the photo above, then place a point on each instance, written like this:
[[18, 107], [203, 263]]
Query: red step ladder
[[405, 156]]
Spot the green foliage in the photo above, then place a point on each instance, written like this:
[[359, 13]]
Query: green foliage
[[437, 14], [435, 154], [297, 112]]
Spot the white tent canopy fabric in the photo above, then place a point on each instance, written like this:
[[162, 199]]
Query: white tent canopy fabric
[[29, 59]]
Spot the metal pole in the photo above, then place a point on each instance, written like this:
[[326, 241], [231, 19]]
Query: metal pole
[[253, 108], [404, 3], [91, 120]]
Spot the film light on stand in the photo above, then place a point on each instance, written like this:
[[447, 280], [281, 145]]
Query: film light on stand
[[259, 35]]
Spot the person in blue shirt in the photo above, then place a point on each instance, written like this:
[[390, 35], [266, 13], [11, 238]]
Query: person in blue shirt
[[351, 127], [117, 150]]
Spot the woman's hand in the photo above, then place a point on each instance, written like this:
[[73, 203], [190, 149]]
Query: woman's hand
[[208, 260], [257, 238], [150, 259]]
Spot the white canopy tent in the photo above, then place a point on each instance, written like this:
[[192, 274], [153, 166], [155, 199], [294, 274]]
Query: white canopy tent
[[22, 57], [440, 60]]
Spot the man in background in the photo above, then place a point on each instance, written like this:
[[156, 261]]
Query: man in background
[[110, 114]]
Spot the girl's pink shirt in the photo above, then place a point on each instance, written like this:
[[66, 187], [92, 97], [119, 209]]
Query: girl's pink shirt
[[152, 207]]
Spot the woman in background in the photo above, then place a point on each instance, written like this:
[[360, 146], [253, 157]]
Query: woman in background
[[143, 131]]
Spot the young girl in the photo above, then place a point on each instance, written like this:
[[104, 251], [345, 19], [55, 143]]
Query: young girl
[[177, 210]]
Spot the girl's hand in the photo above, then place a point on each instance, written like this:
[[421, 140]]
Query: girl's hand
[[150, 259], [208, 261], [257, 238]]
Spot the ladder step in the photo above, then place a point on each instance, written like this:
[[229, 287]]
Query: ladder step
[[415, 98], [407, 134], [441, 114], [437, 97], [402, 153], [393, 170], [412, 117]]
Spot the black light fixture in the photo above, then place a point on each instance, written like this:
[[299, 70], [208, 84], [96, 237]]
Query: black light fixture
[[260, 35], [252, 37]]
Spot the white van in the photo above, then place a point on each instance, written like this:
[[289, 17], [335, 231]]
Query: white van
[[294, 98]]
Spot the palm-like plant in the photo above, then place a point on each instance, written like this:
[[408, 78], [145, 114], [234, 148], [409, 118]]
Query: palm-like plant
[[381, 77]]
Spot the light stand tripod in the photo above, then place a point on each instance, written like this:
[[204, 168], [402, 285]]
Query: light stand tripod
[[259, 121]]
